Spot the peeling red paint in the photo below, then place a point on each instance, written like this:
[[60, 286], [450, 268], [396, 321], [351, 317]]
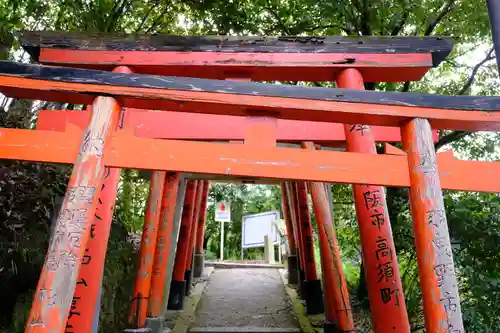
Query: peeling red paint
[[385, 290], [438, 280], [338, 308], [54, 294], [142, 286], [166, 224]]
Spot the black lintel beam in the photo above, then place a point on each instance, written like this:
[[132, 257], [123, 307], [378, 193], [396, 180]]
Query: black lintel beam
[[85, 76], [33, 41]]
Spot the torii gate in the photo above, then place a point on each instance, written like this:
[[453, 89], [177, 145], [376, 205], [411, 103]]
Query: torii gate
[[121, 130]]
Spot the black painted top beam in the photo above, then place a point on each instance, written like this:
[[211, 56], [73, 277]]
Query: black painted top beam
[[33, 41], [85, 76]]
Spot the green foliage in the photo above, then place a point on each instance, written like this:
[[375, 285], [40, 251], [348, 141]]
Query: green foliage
[[474, 221], [245, 199], [133, 192], [119, 275], [28, 198]]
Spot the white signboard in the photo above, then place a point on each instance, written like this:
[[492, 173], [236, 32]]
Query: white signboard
[[256, 226], [223, 211]]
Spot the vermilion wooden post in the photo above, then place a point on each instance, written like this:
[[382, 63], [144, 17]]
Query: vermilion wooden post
[[293, 272], [199, 255], [338, 309], [85, 308], [178, 284], [142, 286], [54, 295], [379, 254], [188, 275], [169, 199], [292, 189], [438, 281], [84, 313], [179, 206], [312, 285]]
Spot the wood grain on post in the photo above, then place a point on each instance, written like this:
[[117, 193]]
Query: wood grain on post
[[165, 228], [438, 280], [142, 286], [385, 290], [54, 295]]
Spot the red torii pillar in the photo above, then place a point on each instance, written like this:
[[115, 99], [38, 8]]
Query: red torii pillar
[[86, 304], [199, 255], [292, 195], [188, 275], [377, 244], [178, 284], [138, 310], [54, 294], [156, 302], [174, 236], [293, 272], [312, 285], [338, 314], [438, 280]]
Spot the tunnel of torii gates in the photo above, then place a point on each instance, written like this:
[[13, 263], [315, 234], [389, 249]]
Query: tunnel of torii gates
[[184, 107]]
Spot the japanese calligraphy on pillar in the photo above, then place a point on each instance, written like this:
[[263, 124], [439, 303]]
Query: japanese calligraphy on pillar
[[437, 225], [79, 294], [85, 307], [374, 201], [53, 302], [439, 288]]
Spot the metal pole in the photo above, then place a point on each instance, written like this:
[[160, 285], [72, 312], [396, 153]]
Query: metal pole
[[221, 241], [494, 14], [434, 254], [279, 243], [379, 253]]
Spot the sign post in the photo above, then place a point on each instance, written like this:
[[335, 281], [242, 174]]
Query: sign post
[[221, 241], [222, 214], [255, 227]]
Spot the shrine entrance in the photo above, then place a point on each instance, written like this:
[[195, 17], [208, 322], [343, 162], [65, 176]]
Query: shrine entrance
[[157, 103]]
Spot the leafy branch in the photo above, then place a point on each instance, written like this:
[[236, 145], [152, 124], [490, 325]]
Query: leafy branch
[[146, 16], [398, 27], [328, 26], [275, 14], [445, 10], [157, 20], [456, 135]]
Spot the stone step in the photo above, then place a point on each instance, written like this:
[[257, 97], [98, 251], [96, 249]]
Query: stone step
[[244, 329], [229, 265]]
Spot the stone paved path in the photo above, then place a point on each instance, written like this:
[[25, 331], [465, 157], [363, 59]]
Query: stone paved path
[[245, 297]]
